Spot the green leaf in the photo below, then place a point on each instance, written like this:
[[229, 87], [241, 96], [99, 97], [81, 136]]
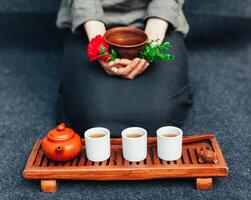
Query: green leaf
[[152, 52], [113, 56], [103, 51]]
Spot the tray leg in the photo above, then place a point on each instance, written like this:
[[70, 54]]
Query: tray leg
[[49, 185], [204, 183]]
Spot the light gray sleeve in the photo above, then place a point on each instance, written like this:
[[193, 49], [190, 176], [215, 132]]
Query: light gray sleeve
[[169, 10], [85, 10], [64, 14]]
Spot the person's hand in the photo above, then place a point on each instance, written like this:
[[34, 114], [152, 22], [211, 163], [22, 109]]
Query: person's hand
[[107, 67], [128, 68]]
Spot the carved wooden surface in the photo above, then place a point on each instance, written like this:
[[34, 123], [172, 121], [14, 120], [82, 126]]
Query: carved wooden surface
[[117, 168]]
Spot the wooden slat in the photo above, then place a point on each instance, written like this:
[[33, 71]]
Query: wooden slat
[[185, 156], [52, 163], [119, 158], [196, 138], [217, 149], [179, 162], [193, 155], [164, 163], [104, 163], [74, 162], [45, 161], [39, 157], [126, 163], [155, 156], [89, 163], [112, 159], [186, 139], [68, 163], [148, 158], [141, 163], [82, 159], [60, 164], [33, 154]]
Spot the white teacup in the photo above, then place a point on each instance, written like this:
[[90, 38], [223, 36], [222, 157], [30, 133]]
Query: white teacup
[[97, 144], [169, 143], [134, 144]]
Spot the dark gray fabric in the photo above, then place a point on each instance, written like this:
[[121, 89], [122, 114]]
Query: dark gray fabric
[[89, 97]]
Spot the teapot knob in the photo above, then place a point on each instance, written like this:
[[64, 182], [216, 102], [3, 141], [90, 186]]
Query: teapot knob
[[61, 127]]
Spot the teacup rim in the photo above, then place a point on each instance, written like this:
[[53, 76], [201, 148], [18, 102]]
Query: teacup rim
[[86, 134], [123, 133], [180, 134]]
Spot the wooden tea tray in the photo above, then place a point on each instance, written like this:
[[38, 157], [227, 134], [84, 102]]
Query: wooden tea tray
[[116, 168]]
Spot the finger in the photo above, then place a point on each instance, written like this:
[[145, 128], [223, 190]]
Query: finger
[[110, 64], [124, 71], [109, 72], [119, 63], [145, 66], [122, 61], [106, 67], [139, 69], [114, 70]]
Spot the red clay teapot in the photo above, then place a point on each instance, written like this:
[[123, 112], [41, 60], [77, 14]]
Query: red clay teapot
[[61, 144]]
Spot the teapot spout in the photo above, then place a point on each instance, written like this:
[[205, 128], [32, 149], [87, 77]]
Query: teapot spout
[[59, 149]]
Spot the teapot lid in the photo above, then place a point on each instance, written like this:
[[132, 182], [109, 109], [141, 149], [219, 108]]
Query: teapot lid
[[60, 133]]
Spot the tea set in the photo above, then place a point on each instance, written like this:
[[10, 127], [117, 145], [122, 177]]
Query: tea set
[[63, 144], [134, 156]]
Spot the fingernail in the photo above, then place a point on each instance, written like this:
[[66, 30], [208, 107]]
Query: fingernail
[[114, 69], [110, 64], [137, 59]]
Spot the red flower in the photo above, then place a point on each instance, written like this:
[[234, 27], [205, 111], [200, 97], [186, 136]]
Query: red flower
[[98, 49]]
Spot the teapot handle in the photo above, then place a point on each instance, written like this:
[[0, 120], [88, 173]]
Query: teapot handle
[[59, 149]]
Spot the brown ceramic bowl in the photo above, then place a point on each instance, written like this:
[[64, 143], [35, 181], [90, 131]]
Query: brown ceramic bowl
[[126, 41]]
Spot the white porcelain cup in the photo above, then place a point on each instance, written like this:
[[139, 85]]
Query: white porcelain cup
[[97, 149], [169, 148], [134, 148]]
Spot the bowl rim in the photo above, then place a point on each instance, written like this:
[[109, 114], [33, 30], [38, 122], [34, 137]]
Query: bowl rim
[[125, 28]]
